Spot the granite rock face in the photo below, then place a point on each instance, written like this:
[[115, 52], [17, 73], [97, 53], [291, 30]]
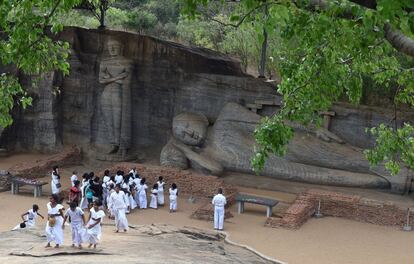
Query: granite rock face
[[124, 91], [155, 81]]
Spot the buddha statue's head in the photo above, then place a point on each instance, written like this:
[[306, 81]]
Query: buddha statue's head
[[114, 47], [190, 128]]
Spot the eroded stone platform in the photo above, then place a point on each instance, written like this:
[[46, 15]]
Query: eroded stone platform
[[142, 244]]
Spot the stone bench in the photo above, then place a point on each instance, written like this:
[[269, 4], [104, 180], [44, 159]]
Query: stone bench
[[17, 182], [245, 198]]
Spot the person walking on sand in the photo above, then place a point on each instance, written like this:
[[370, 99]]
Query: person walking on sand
[[77, 221], [119, 206], [93, 228], [54, 232], [173, 198], [219, 201], [55, 183]]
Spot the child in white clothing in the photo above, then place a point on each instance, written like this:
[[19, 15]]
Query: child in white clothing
[[29, 218], [77, 221], [173, 198], [154, 200]]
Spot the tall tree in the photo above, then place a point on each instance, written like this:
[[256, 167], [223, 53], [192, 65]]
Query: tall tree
[[26, 47]]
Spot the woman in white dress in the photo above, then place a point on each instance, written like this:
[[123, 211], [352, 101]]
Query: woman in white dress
[[154, 193], [160, 195], [55, 183], [173, 198], [54, 231], [142, 194], [94, 229]]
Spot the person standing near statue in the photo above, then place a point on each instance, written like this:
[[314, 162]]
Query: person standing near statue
[[114, 74], [219, 201]]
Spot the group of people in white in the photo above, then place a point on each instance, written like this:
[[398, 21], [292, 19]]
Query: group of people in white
[[118, 195]]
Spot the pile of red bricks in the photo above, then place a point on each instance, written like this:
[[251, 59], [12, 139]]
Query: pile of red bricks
[[188, 182], [41, 167], [353, 207]]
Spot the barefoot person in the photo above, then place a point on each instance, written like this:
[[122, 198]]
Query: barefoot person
[[29, 218], [219, 201], [94, 229], [77, 221], [160, 194], [118, 202], [54, 232], [173, 198]]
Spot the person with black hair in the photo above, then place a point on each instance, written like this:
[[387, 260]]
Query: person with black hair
[[97, 189], [119, 177], [219, 201], [77, 221], [54, 232], [173, 198], [75, 193], [29, 218], [154, 193], [118, 206], [55, 183], [142, 194], [94, 229]]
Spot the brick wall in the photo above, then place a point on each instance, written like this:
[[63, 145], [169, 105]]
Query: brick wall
[[353, 207]]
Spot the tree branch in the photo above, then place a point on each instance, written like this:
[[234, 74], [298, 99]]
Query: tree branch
[[396, 38]]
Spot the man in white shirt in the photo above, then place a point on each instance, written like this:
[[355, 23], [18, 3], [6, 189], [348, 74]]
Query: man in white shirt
[[119, 205], [219, 201]]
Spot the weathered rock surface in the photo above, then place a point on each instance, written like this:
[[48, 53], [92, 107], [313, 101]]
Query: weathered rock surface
[[164, 80], [230, 141], [173, 157], [143, 244], [190, 128]]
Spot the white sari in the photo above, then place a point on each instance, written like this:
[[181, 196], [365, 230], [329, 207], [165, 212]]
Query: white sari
[[93, 235], [54, 233]]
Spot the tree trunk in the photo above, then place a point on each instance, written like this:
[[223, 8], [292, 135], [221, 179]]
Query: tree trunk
[[262, 62], [102, 17]]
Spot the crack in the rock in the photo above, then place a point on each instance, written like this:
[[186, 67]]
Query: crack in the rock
[[59, 254]]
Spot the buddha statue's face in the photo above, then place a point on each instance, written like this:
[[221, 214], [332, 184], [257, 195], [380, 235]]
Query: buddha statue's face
[[114, 48]]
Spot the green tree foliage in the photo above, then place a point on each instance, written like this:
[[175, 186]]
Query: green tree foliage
[[26, 47], [326, 51]]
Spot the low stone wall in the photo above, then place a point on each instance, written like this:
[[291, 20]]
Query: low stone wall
[[42, 167], [188, 183], [353, 207]]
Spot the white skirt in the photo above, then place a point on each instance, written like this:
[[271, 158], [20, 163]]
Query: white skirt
[[160, 197], [153, 203], [121, 222], [55, 233]]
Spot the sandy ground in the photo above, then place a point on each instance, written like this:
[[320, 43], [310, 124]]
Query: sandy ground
[[327, 240]]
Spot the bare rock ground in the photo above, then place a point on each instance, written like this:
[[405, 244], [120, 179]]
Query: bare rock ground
[[142, 244]]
